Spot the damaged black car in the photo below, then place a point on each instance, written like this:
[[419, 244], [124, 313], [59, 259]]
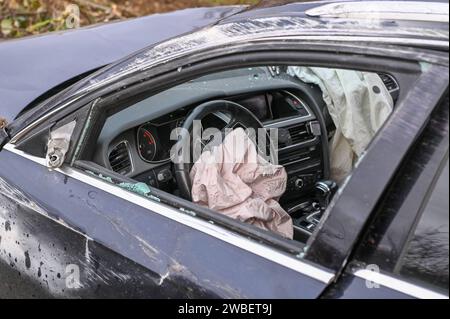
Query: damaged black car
[[293, 150]]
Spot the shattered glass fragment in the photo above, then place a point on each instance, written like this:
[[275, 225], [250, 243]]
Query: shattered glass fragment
[[139, 188]]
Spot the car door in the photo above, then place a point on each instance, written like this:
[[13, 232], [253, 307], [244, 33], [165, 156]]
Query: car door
[[69, 234]]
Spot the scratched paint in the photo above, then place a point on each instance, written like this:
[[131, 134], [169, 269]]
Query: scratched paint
[[39, 260]]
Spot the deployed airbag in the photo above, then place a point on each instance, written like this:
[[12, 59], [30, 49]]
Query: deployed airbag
[[358, 103], [233, 179]]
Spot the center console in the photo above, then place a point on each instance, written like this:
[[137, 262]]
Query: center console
[[307, 214], [303, 151]]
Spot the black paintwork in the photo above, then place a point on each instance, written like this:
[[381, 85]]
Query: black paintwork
[[189, 263]]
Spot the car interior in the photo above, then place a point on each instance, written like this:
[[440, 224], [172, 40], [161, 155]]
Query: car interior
[[136, 142]]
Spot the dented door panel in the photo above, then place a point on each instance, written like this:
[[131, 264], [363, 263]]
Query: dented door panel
[[56, 224]]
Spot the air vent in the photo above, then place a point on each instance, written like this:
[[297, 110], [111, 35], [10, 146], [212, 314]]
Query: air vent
[[297, 134], [389, 82], [295, 156], [119, 159]]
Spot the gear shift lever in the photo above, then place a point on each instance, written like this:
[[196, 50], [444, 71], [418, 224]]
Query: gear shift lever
[[324, 191], [311, 211]]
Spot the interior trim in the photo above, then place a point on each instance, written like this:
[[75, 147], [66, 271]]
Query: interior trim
[[127, 146]]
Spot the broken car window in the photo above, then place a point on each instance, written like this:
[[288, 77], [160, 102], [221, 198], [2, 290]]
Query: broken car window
[[267, 146]]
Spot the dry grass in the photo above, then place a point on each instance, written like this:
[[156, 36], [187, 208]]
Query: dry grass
[[26, 17]]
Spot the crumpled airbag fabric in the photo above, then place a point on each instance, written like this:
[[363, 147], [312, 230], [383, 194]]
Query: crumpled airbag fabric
[[358, 103], [233, 179]]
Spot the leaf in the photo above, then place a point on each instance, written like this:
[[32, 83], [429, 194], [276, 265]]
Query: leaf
[[39, 25], [6, 26]]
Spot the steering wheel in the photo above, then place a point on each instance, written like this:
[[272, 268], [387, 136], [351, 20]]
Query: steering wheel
[[238, 116]]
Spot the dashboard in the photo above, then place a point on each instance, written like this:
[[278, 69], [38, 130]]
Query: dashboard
[[143, 151], [153, 142]]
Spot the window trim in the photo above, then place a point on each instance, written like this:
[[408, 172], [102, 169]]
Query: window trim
[[397, 284]]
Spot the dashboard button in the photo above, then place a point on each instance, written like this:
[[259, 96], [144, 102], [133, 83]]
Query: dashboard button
[[299, 183]]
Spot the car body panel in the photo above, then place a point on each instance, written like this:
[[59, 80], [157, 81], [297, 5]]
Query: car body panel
[[38, 242]]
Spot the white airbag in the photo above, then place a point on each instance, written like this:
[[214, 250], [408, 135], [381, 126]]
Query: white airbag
[[358, 103]]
